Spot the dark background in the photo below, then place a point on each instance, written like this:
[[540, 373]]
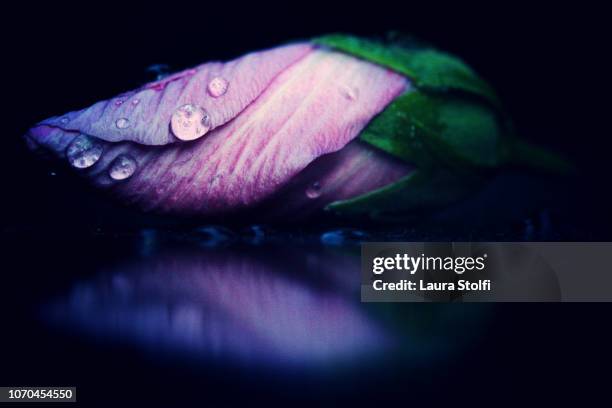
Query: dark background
[[545, 61]]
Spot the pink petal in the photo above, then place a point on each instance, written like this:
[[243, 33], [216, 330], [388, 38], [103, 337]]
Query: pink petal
[[304, 104], [148, 110]]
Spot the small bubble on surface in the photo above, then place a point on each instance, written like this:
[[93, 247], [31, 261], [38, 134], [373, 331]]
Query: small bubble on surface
[[344, 236], [83, 152], [217, 87], [122, 123], [135, 101], [190, 122], [256, 234], [122, 167], [314, 190], [209, 236], [149, 241]]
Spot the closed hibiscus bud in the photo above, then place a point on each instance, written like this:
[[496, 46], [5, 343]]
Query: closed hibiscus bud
[[361, 128]]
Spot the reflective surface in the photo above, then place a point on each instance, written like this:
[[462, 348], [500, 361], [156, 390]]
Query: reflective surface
[[212, 305], [132, 308], [240, 299], [235, 304], [229, 315]]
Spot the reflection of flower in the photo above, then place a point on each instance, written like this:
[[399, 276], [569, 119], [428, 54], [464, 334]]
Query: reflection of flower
[[294, 129], [229, 304]]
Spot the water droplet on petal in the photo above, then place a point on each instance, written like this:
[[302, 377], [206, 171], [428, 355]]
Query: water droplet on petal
[[135, 101], [122, 123], [64, 120], [122, 167], [118, 102], [349, 93], [83, 152], [217, 87], [314, 190], [190, 122]]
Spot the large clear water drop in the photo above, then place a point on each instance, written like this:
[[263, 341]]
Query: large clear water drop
[[84, 152], [122, 167], [190, 122]]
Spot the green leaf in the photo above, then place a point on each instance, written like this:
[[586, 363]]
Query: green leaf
[[430, 70]]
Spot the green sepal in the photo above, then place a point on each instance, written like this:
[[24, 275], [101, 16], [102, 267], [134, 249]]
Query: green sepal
[[450, 124], [432, 130]]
